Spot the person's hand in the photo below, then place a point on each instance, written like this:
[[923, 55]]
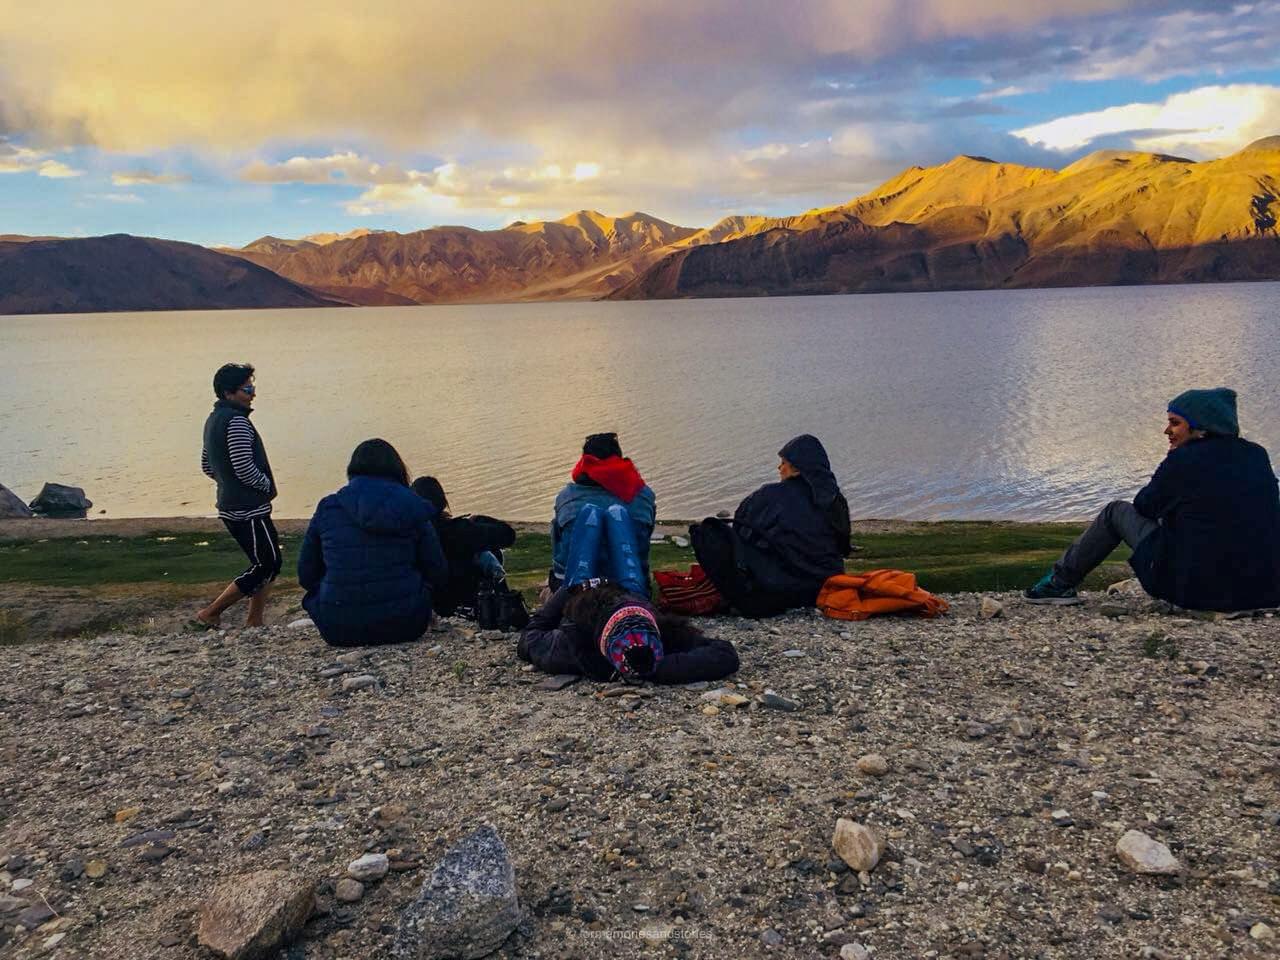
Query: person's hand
[[544, 595]]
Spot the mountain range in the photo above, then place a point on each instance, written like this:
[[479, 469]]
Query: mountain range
[[1113, 217]]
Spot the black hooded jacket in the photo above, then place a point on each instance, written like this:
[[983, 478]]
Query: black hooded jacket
[[795, 533]]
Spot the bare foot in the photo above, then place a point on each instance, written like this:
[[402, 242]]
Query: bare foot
[[208, 620]]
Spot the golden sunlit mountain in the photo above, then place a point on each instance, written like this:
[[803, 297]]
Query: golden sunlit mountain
[[582, 256], [1110, 218]]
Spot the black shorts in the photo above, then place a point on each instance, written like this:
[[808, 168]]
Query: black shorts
[[261, 544]]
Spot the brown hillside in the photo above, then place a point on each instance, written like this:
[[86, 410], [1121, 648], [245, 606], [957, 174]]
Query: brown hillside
[[1111, 217], [583, 255], [120, 272]]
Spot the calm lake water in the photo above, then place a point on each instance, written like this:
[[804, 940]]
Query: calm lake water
[[1020, 405]]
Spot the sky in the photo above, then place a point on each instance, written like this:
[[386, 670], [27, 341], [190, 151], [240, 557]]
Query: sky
[[218, 123]]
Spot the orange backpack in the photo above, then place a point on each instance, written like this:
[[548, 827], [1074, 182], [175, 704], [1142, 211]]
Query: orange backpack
[[857, 596]]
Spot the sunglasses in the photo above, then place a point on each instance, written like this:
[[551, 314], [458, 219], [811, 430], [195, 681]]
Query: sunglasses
[[248, 388]]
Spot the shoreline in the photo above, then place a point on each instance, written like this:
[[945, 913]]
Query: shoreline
[[48, 528]]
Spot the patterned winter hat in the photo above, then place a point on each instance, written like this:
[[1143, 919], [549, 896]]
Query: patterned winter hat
[[631, 642]]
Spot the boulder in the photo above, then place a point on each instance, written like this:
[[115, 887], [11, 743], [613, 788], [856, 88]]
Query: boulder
[[249, 916], [466, 908], [11, 505], [59, 500], [1143, 855], [858, 845]]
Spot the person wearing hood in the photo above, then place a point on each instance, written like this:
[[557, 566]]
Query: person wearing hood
[[603, 632], [785, 539], [1205, 531], [371, 558], [602, 478]]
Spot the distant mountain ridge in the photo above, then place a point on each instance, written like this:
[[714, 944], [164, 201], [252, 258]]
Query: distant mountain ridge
[[1112, 217], [125, 273]]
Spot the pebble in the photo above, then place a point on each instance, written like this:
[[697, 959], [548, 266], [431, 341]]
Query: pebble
[[557, 804], [1022, 728], [873, 765], [1141, 854], [776, 701], [794, 654], [361, 681], [990, 608], [854, 951], [21, 884], [858, 845], [348, 890], [771, 938], [303, 623], [95, 869], [1260, 931], [351, 658], [372, 866]]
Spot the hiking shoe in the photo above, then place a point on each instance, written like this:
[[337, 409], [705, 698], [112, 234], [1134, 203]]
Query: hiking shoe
[[1047, 590]]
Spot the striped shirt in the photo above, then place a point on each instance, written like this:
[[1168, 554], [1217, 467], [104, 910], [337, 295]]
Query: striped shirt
[[240, 436]]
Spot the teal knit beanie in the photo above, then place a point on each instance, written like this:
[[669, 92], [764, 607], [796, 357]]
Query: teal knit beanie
[[1213, 411]]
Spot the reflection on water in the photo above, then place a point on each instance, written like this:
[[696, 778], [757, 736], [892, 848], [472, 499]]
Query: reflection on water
[[1019, 405]]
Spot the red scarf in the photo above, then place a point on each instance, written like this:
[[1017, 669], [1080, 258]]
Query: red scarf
[[618, 475]]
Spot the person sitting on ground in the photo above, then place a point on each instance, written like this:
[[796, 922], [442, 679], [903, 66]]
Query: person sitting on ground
[[602, 631], [472, 545], [1205, 531], [785, 539], [235, 458], [371, 558], [603, 477]]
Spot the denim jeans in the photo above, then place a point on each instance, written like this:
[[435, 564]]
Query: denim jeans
[[1119, 522], [608, 536], [489, 565]]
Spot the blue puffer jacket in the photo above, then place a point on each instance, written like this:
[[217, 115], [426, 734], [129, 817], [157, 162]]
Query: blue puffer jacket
[[642, 510], [368, 563]]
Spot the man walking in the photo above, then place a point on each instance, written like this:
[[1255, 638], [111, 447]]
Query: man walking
[[234, 457]]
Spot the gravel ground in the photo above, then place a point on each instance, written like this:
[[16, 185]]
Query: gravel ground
[[654, 821]]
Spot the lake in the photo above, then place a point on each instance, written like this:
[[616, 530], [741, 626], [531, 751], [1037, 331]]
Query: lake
[[1037, 404]]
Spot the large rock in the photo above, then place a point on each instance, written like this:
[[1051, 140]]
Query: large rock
[[1141, 854], [11, 505], [468, 905], [59, 500], [858, 845], [249, 916]]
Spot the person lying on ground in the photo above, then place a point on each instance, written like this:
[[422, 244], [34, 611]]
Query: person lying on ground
[[603, 632], [1205, 531], [603, 477], [371, 558], [785, 539], [473, 546], [234, 456]]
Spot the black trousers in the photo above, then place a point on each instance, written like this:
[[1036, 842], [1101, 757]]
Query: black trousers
[[715, 549], [261, 544]]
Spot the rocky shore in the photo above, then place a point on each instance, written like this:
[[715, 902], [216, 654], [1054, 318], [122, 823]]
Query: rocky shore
[[999, 758]]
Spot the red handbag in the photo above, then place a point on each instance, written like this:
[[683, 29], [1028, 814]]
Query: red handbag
[[691, 594]]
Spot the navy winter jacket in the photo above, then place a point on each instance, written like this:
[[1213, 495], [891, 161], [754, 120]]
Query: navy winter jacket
[[368, 563], [557, 645], [1218, 544]]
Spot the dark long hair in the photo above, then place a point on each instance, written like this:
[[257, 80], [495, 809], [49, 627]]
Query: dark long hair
[[377, 458], [590, 610]]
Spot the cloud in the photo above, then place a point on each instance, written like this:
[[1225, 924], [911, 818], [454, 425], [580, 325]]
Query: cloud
[[114, 197], [144, 177], [337, 168], [133, 76], [17, 159], [1201, 123]]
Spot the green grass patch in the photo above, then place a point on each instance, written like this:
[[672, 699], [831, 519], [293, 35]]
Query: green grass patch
[[946, 557]]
